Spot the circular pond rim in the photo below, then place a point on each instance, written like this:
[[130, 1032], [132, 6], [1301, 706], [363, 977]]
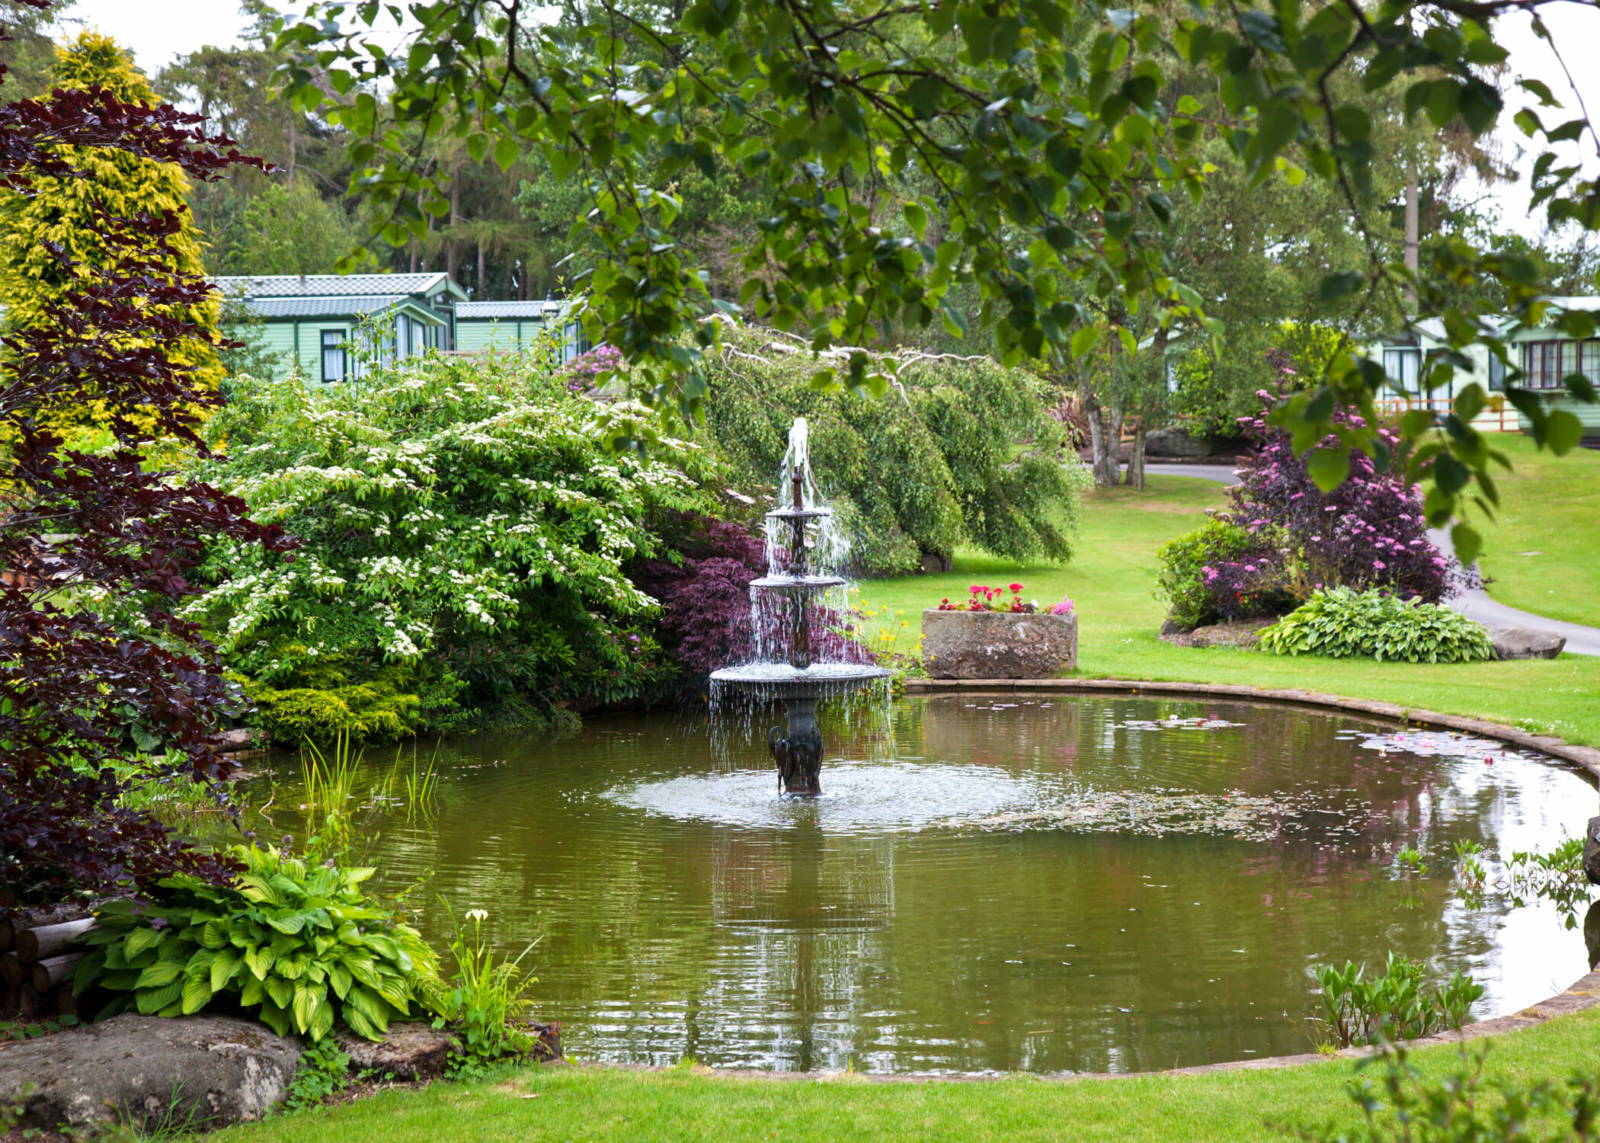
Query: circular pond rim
[[1581, 995]]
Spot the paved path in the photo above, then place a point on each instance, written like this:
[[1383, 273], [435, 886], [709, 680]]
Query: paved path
[[1474, 602]]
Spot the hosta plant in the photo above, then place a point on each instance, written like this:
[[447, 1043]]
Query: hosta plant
[[1346, 624], [301, 948]]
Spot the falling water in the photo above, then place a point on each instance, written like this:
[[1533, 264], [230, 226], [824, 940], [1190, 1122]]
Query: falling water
[[799, 609]]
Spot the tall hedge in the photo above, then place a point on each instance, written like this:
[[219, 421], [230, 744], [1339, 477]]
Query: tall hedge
[[960, 451]]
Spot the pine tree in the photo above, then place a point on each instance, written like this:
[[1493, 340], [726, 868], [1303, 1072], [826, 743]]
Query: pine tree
[[53, 236]]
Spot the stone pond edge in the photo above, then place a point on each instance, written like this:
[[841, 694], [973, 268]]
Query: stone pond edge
[[1581, 995]]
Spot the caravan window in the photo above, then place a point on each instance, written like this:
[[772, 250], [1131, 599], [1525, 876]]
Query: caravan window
[[1403, 364], [333, 356]]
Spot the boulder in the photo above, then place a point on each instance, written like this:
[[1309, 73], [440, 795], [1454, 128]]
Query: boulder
[[1591, 851], [1245, 633], [1175, 442], [1525, 643], [406, 1052], [998, 644], [198, 1071]]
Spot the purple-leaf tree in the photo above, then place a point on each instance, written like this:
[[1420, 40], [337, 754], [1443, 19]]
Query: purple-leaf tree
[[94, 548]]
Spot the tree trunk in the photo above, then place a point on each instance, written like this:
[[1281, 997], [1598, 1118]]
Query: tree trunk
[[1412, 235], [452, 255], [1105, 440], [1135, 477], [483, 274]]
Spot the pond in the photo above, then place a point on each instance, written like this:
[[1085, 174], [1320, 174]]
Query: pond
[[988, 883]]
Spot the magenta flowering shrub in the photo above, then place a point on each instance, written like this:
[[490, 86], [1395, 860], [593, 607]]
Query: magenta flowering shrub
[[982, 597], [582, 372], [1283, 538], [1367, 533]]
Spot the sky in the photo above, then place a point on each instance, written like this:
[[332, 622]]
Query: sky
[[158, 30]]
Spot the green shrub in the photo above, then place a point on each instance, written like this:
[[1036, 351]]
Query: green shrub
[[1344, 624], [1395, 1004], [464, 537], [303, 949], [1181, 580], [363, 710]]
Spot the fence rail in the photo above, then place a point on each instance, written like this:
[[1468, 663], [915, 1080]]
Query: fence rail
[[1498, 416]]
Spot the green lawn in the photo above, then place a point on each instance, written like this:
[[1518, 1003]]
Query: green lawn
[[613, 1104], [1544, 548], [1112, 578]]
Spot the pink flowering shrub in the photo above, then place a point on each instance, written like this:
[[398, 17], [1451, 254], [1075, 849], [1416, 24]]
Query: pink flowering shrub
[[1283, 538], [1367, 533], [582, 373]]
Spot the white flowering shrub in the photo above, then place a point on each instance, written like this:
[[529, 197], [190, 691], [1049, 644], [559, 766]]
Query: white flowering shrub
[[463, 534]]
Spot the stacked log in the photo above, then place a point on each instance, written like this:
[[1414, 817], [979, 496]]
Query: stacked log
[[36, 967]]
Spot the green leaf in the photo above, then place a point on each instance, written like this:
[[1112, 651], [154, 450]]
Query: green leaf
[[138, 941], [1328, 467], [1336, 286], [1563, 431], [196, 994], [1467, 542], [1084, 339], [159, 975]]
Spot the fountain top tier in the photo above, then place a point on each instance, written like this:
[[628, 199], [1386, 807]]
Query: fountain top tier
[[804, 552]]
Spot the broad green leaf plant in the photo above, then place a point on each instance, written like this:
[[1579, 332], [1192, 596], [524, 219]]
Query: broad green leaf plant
[[302, 948], [1019, 151]]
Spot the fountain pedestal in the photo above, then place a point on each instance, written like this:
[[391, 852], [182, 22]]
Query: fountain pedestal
[[799, 682]]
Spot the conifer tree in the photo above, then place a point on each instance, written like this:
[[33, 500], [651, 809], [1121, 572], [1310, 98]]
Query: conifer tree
[[67, 215]]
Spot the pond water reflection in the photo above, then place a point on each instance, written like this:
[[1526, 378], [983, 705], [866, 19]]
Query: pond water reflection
[[1049, 884]]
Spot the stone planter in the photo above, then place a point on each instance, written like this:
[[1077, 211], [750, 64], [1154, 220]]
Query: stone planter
[[998, 644]]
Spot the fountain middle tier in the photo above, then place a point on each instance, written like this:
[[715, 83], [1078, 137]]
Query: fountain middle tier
[[781, 681], [798, 584]]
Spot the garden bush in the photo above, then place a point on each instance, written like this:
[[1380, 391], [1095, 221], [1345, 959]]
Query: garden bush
[[464, 535], [1219, 571], [1284, 539], [299, 947], [1344, 624], [1368, 532], [976, 456]]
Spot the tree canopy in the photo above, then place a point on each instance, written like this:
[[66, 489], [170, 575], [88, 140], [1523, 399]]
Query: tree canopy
[[1019, 149]]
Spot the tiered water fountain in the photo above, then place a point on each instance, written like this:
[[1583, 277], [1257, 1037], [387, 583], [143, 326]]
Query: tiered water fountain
[[804, 555]]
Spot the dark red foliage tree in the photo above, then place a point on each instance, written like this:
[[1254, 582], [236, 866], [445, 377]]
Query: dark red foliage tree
[[94, 549]]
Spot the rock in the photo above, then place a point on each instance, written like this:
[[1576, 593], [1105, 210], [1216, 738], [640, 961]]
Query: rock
[[546, 1040], [406, 1052], [1175, 442], [1245, 633], [1591, 851], [1525, 643], [1172, 627], [936, 563], [998, 644], [201, 1071]]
